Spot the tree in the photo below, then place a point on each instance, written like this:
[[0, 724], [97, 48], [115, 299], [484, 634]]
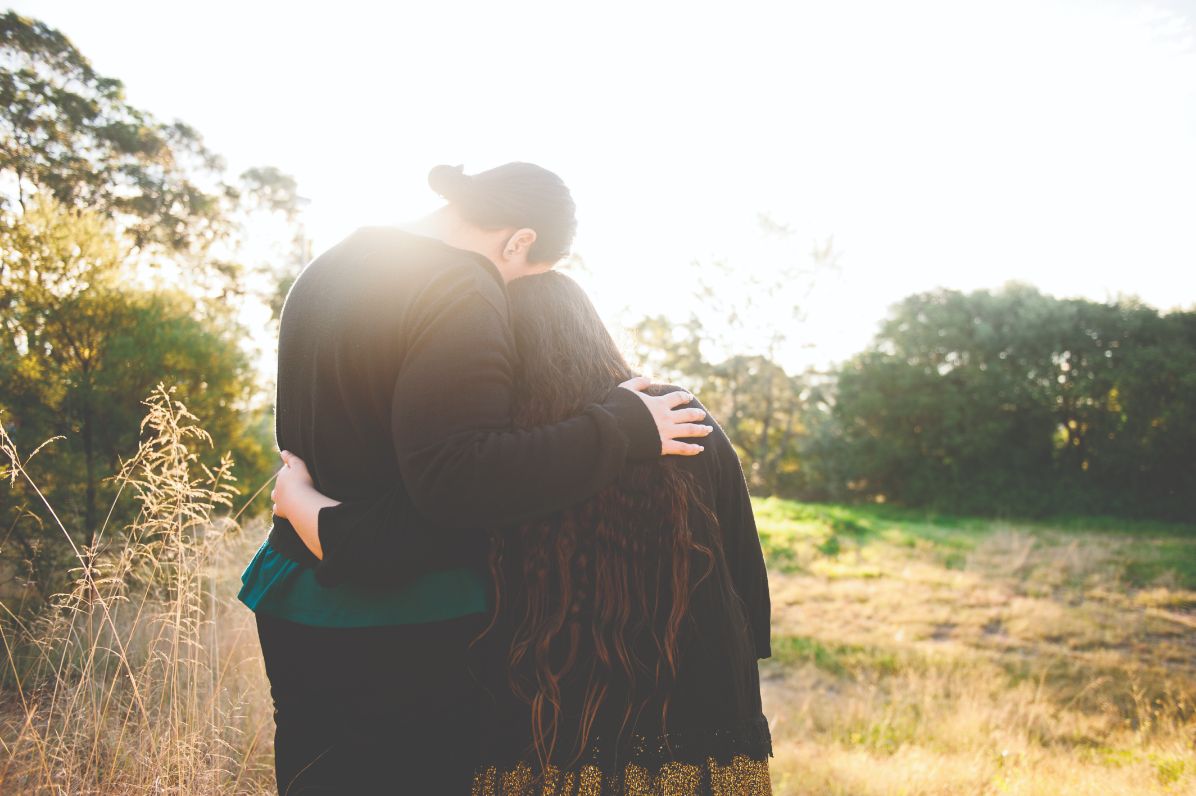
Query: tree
[[96, 197], [68, 131], [990, 402], [1016, 402], [81, 349], [727, 352]]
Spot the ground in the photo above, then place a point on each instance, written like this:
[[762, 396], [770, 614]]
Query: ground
[[913, 655], [922, 655]]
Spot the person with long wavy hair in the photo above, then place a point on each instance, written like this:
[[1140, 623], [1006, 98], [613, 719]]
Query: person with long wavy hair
[[621, 652]]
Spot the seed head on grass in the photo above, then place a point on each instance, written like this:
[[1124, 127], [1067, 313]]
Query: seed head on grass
[[123, 682]]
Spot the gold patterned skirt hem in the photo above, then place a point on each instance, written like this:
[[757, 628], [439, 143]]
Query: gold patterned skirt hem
[[742, 776]]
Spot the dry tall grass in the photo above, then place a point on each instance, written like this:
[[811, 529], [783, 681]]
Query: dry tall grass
[[138, 680]]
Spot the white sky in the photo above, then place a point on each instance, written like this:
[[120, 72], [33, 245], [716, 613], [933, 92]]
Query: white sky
[[957, 144]]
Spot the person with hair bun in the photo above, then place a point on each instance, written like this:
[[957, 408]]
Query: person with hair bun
[[395, 387], [494, 199]]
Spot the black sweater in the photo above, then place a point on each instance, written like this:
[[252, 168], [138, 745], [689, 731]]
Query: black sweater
[[395, 370]]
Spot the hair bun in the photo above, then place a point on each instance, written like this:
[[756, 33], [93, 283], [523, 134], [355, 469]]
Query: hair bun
[[449, 181]]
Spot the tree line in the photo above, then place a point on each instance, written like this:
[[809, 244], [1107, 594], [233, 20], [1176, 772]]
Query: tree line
[[998, 402]]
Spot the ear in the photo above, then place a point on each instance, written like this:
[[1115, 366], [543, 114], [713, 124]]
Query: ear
[[519, 244]]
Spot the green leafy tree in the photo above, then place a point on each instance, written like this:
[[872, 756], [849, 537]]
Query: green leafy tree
[[99, 200], [68, 131], [991, 402], [81, 349], [1016, 402]]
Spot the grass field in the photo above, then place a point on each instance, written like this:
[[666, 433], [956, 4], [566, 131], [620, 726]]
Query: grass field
[[923, 655], [912, 655]]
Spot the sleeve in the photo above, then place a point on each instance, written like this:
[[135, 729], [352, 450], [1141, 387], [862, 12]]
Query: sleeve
[[741, 539], [383, 542]]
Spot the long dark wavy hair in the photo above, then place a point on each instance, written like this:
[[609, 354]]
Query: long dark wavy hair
[[596, 596]]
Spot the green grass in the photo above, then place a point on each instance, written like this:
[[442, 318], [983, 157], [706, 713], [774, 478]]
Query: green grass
[[844, 660], [1151, 561], [922, 653], [795, 534]]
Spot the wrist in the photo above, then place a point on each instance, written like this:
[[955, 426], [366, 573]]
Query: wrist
[[315, 500], [636, 422], [306, 517]]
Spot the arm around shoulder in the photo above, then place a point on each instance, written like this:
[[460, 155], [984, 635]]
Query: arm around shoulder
[[462, 463]]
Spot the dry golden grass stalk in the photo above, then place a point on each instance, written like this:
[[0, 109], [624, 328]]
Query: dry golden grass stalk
[[137, 679]]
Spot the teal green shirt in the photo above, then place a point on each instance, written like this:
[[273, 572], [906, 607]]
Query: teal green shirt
[[277, 585]]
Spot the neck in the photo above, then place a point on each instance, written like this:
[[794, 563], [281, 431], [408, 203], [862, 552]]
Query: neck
[[434, 225], [447, 227]]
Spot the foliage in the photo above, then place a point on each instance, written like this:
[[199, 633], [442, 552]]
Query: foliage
[[1013, 402], [727, 352], [126, 682], [1005, 402], [79, 350], [99, 204], [69, 132]]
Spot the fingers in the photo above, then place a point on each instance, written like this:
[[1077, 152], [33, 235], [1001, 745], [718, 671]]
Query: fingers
[[691, 430], [637, 384], [687, 415], [674, 448], [675, 399]]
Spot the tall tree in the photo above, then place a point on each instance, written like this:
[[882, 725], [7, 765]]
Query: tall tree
[[68, 131], [1015, 401], [80, 349]]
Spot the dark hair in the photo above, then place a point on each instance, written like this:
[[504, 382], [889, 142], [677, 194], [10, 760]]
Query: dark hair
[[513, 195], [616, 573]]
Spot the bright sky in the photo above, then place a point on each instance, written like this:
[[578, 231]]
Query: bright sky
[[956, 144]]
